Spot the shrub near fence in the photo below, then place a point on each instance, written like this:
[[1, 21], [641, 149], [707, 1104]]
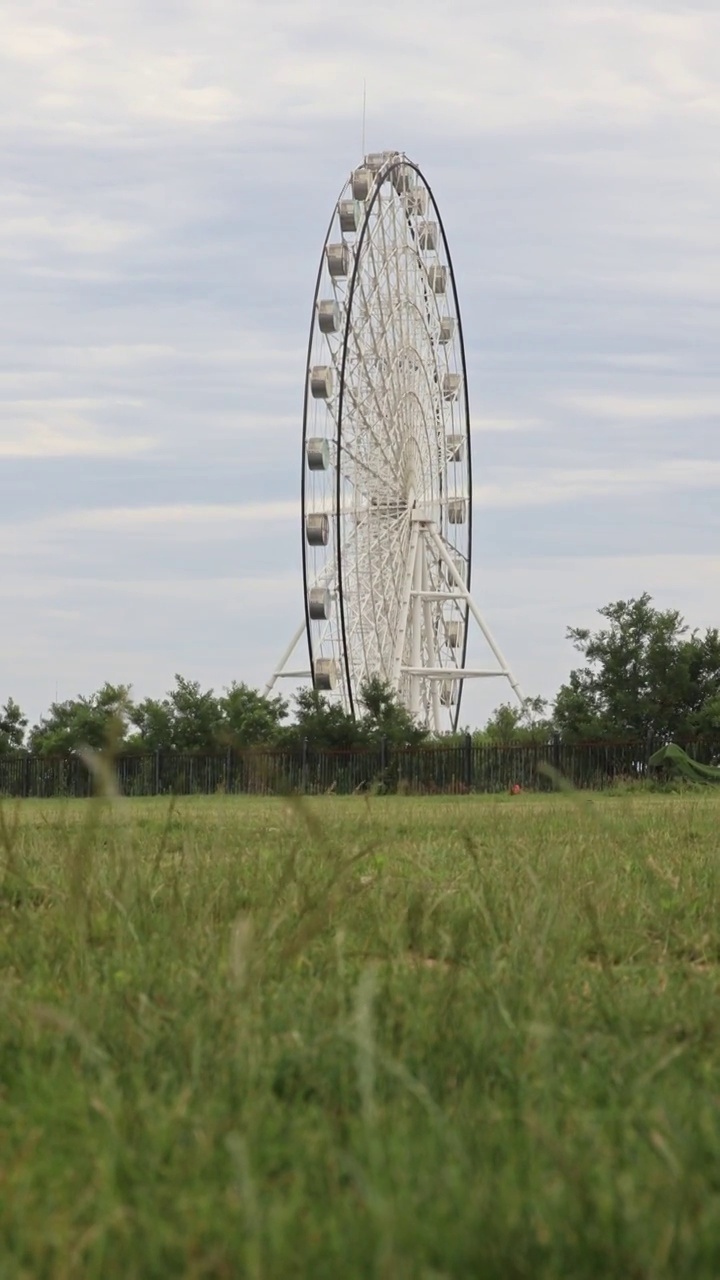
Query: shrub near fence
[[430, 769]]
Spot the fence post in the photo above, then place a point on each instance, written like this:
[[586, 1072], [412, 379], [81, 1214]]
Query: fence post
[[157, 774], [304, 766], [649, 749], [383, 759], [557, 760], [468, 761]]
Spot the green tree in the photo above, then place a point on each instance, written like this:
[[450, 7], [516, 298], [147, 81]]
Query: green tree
[[190, 719], [512, 723], [250, 718], [324, 724], [154, 721], [187, 719], [645, 675], [196, 716], [12, 728], [385, 716], [97, 721]]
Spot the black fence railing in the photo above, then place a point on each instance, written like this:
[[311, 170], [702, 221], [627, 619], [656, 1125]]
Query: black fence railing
[[431, 769]]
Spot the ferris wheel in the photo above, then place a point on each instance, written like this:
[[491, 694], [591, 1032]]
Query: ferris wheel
[[386, 489]]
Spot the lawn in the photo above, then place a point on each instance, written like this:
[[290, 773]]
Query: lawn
[[364, 1037]]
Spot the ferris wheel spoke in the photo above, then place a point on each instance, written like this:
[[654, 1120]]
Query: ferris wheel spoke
[[389, 314], [374, 605], [391, 557], [377, 354], [379, 477], [357, 389], [368, 354], [380, 453], [377, 307]]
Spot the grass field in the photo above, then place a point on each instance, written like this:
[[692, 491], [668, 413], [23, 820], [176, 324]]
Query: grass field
[[382, 1037]]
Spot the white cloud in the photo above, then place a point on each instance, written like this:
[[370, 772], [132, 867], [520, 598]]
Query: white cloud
[[66, 428], [502, 424], [174, 520], [479, 67], [38, 442], [194, 519], [670, 408], [22, 229], [519, 487], [119, 593]]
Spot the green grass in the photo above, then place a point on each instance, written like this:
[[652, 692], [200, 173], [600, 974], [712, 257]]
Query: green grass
[[397, 1038]]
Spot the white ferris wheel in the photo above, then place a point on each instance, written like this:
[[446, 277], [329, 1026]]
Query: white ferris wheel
[[386, 471]]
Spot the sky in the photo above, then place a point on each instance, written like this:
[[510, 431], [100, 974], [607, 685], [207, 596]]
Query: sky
[[168, 175]]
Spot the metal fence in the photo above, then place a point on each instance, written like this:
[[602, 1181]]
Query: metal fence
[[458, 769]]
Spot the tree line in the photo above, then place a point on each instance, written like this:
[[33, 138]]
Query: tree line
[[644, 675]]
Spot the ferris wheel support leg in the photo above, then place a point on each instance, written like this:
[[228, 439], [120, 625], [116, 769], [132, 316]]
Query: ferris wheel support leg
[[432, 654], [404, 613], [455, 577], [285, 658], [417, 620]]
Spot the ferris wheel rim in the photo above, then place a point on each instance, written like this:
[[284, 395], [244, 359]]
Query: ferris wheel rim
[[396, 161], [303, 475]]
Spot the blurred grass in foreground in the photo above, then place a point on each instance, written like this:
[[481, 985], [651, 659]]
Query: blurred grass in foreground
[[360, 1037]]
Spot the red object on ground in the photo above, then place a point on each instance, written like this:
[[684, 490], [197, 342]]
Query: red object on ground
[[515, 789]]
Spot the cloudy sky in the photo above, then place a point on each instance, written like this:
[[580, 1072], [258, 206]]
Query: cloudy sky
[[168, 174]]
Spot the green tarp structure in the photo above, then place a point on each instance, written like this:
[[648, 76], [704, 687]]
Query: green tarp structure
[[675, 758]]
